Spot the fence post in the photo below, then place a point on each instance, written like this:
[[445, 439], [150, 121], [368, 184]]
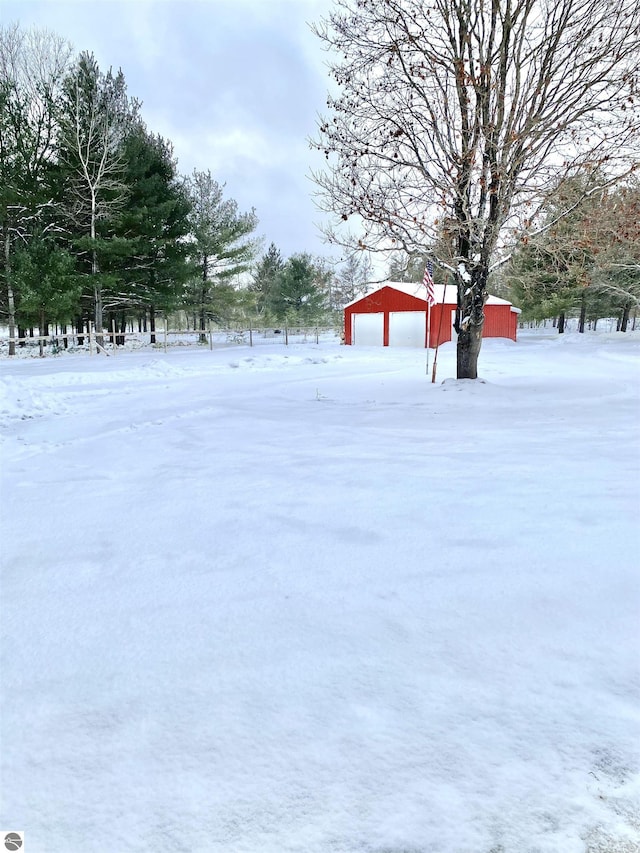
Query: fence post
[[286, 336], [251, 333], [90, 338], [165, 334], [210, 338]]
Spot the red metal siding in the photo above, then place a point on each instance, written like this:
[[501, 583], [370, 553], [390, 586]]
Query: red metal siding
[[500, 320], [387, 299]]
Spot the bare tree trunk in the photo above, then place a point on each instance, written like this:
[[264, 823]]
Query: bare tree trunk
[[152, 323], [42, 332], [469, 321], [203, 326], [583, 313], [203, 294], [469, 343], [625, 318], [97, 288], [11, 305], [92, 129], [561, 323], [33, 66]]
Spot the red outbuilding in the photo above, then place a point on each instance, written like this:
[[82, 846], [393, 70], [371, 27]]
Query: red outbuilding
[[395, 314]]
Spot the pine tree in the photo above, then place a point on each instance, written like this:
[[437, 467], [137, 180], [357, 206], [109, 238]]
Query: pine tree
[[297, 295], [153, 223], [47, 282], [265, 278], [221, 247], [584, 263]]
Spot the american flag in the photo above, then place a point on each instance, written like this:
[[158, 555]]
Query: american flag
[[427, 280]]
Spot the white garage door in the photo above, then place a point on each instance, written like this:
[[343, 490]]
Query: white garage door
[[407, 328], [368, 329]]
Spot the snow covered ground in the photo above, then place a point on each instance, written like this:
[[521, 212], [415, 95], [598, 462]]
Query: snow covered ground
[[301, 600]]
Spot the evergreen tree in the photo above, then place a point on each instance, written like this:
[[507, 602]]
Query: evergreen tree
[[297, 295], [543, 284], [47, 282], [581, 264], [265, 278], [153, 222], [220, 247], [614, 226]]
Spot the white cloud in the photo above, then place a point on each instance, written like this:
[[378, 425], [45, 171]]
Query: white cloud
[[235, 84]]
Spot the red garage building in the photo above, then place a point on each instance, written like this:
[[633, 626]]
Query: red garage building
[[395, 314]]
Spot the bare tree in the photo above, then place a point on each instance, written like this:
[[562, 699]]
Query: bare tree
[[32, 67], [94, 126], [614, 229], [352, 280], [587, 262], [468, 111]]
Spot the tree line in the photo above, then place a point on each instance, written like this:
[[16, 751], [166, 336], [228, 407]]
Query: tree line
[[583, 265], [98, 225]]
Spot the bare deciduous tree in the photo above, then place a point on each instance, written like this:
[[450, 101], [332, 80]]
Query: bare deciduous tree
[[588, 261], [615, 233], [32, 67], [352, 279], [468, 111], [93, 128]]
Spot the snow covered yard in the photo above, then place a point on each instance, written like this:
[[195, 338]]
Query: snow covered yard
[[304, 601]]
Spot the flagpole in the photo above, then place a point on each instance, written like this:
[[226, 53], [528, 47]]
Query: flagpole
[[428, 332]]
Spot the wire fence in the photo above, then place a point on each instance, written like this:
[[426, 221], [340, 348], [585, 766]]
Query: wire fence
[[110, 342]]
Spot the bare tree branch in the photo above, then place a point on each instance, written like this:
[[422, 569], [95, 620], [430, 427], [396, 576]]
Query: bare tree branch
[[470, 113]]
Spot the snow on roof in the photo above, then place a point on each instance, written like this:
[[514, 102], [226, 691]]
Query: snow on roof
[[417, 289]]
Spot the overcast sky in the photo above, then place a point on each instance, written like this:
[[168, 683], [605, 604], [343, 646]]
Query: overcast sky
[[236, 85]]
